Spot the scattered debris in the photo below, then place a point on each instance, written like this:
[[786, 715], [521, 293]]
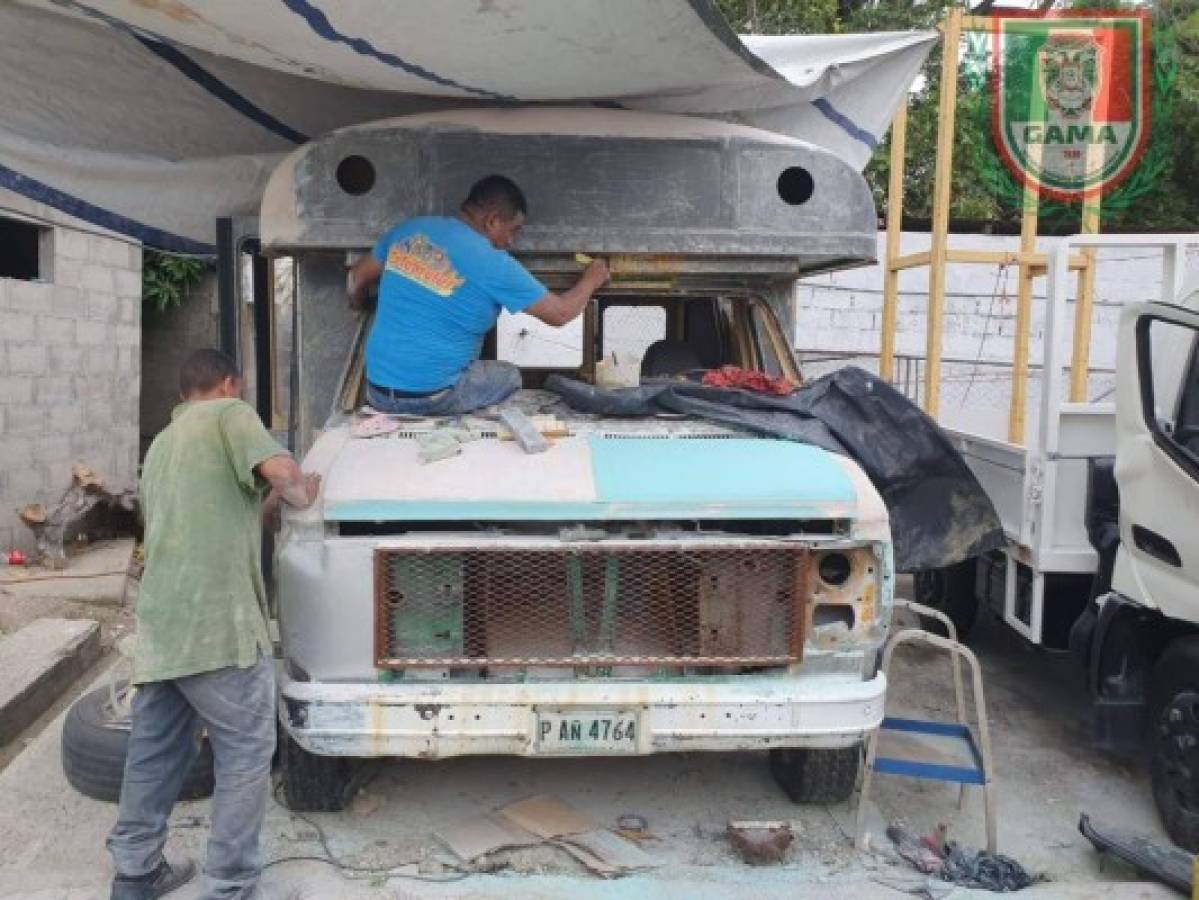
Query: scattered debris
[[542, 820], [936, 855], [1170, 865], [15, 558], [761, 843], [375, 425], [927, 887], [88, 509]]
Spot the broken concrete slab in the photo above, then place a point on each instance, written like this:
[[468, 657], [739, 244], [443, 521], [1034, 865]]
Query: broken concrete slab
[[38, 663]]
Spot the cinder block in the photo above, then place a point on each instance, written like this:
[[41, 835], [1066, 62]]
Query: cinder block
[[18, 326], [98, 415], [128, 282], [68, 273], [66, 358], [25, 485], [64, 418], [16, 389], [55, 330], [54, 389], [67, 302], [38, 663], [27, 359], [97, 277], [70, 244], [91, 333], [25, 296], [101, 360]]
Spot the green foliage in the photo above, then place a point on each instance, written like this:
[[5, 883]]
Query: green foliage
[[1162, 196], [166, 278]]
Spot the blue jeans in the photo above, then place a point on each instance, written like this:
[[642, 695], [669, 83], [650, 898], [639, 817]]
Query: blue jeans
[[237, 707], [485, 382]]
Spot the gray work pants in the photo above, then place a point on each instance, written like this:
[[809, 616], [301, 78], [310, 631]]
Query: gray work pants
[[485, 382], [237, 708]]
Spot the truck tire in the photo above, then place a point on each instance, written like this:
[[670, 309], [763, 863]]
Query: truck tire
[[809, 775], [312, 783], [1174, 742], [94, 746], [950, 590]]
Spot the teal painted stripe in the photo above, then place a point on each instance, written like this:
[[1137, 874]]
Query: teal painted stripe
[[738, 472], [508, 511]]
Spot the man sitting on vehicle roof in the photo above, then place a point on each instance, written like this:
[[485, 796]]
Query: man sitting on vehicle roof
[[443, 282]]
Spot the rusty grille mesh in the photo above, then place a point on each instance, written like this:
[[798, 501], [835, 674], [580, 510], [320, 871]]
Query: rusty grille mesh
[[589, 607]]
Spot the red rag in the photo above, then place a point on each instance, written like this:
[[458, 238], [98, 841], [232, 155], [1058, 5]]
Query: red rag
[[749, 380]]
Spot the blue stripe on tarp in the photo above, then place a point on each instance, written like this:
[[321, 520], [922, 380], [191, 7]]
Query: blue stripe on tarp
[[223, 92], [319, 22], [848, 125], [97, 215], [189, 68], [919, 726]]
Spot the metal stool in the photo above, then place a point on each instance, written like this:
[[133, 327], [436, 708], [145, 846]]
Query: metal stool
[[957, 736]]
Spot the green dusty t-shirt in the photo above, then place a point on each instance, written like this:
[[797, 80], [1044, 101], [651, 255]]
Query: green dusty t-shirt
[[202, 604]]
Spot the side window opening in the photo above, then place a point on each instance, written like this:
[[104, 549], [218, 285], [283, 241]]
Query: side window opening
[[26, 250]]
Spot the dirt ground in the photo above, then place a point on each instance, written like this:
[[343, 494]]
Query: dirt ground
[[52, 839]]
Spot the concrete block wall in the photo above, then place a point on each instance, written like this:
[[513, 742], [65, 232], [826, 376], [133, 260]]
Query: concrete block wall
[[70, 364], [839, 321]]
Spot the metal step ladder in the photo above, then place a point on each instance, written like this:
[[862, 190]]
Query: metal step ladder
[[938, 751]]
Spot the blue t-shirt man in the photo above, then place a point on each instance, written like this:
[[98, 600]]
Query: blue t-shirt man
[[442, 283]]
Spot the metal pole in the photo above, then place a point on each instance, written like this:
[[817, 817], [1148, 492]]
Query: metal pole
[[899, 138], [942, 185]]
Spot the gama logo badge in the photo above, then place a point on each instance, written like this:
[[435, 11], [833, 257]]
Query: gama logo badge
[[1071, 99]]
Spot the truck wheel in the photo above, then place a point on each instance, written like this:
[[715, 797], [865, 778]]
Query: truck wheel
[[1174, 743], [809, 775], [951, 590], [95, 741], [312, 783]]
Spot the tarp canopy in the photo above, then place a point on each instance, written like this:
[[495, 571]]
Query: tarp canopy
[[154, 117]]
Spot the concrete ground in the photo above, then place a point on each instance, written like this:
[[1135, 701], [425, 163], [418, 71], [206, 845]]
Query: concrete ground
[[52, 839]]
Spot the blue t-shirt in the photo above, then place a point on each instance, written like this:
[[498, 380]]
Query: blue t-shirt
[[441, 291]]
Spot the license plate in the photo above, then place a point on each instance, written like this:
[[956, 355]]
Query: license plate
[[584, 732]]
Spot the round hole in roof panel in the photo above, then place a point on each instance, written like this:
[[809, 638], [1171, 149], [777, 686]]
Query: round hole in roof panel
[[795, 185], [356, 175]]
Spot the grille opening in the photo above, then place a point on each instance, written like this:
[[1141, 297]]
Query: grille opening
[[590, 607], [609, 527]]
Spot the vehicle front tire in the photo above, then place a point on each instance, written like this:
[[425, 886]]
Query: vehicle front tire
[[95, 743], [312, 783], [1174, 742], [811, 775], [950, 590]]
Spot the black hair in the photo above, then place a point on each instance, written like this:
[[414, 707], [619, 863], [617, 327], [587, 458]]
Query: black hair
[[203, 370], [498, 193]]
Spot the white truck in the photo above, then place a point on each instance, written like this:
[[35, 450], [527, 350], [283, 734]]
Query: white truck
[[645, 585], [1101, 511]]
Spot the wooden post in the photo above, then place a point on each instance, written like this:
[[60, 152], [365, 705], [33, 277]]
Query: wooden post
[[1080, 366], [1028, 244], [942, 185], [899, 138]]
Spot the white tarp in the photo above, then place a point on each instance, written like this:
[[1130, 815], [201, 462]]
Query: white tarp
[[153, 117]]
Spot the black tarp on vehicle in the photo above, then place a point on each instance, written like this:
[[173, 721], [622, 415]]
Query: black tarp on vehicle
[[940, 514]]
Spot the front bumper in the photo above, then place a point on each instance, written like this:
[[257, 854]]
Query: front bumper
[[433, 720]]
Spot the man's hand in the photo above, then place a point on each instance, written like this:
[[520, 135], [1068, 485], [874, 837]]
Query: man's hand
[[596, 274], [294, 487], [360, 278], [558, 309]]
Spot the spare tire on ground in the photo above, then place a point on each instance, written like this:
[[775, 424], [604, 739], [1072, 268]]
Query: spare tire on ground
[[95, 740]]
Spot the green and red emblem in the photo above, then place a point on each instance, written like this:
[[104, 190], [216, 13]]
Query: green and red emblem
[[1071, 99]]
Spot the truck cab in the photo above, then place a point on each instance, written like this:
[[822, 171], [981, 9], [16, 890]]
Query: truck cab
[[645, 585]]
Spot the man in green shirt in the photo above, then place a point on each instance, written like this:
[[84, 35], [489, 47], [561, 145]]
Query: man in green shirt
[[203, 657]]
